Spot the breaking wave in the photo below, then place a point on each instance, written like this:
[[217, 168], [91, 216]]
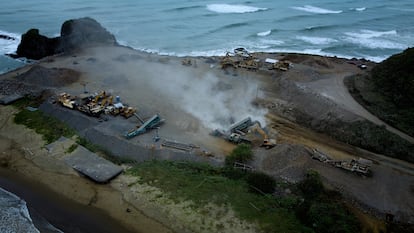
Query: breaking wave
[[266, 33], [316, 10], [316, 40], [227, 8], [9, 45], [360, 9], [375, 39]]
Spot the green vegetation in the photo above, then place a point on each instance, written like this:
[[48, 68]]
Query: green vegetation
[[226, 186], [389, 92], [203, 184], [374, 138], [51, 128], [394, 78], [242, 154], [322, 210], [72, 148]]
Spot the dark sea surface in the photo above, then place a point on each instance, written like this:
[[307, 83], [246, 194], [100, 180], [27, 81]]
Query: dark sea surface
[[371, 29]]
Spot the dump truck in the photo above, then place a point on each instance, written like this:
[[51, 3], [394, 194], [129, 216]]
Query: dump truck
[[243, 132]]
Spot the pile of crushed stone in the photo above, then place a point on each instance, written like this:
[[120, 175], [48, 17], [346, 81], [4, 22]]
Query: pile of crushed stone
[[49, 77]]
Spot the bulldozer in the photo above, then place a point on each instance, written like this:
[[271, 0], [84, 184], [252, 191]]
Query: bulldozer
[[127, 112], [66, 100]]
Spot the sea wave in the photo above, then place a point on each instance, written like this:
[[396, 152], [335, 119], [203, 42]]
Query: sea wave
[[15, 216], [360, 8], [265, 33], [375, 39], [183, 8], [228, 8], [316, 40], [316, 10], [366, 34], [9, 45], [319, 27]]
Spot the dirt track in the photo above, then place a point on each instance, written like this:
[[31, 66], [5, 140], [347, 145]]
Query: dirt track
[[335, 89]]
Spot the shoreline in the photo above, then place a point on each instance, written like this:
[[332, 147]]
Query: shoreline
[[59, 211], [59, 194]]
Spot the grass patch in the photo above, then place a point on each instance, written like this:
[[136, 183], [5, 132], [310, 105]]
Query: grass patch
[[71, 148], [203, 184], [49, 127]]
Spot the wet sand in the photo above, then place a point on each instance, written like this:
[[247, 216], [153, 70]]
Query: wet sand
[[61, 212]]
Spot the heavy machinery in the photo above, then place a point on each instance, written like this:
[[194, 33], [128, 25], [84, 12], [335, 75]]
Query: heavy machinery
[[282, 65], [66, 100], [127, 112], [151, 123], [243, 132], [267, 142]]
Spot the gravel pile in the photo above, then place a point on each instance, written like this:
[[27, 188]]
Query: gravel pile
[[49, 77]]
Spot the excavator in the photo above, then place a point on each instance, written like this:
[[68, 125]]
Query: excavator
[[267, 142]]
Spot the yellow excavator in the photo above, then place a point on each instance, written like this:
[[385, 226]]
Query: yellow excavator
[[267, 142]]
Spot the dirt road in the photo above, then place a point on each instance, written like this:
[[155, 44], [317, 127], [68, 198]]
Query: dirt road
[[335, 89]]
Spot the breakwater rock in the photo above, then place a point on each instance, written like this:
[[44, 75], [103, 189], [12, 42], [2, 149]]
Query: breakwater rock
[[75, 34]]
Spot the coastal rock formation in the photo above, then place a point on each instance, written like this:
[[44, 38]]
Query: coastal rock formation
[[84, 32], [36, 46], [75, 33]]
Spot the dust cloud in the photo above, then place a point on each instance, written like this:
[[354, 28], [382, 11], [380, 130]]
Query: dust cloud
[[216, 101]]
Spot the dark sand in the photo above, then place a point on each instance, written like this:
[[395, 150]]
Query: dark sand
[[61, 212]]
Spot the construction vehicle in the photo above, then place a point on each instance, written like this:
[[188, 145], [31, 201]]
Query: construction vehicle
[[229, 61], [250, 64], [66, 100], [243, 132], [107, 101], [96, 97], [359, 166], [282, 65], [241, 52], [265, 141], [352, 166], [127, 112], [151, 123]]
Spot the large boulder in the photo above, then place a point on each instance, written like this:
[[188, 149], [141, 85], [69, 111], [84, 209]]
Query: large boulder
[[36, 46], [83, 32], [75, 34]]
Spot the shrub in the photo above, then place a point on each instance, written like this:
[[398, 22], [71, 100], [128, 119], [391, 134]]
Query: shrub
[[260, 181], [311, 186], [242, 154]]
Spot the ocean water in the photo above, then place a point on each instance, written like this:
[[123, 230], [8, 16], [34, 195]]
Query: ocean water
[[371, 29]]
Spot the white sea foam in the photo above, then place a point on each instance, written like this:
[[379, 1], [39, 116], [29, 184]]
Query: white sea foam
[[314, 9], [360, 9], [14, 215], [316, 40], [266, 33], [228, 8], [9, 46], [375, 39]]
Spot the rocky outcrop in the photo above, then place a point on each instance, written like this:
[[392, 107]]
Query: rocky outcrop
[[36, 46], [75, 34], [84, 32]]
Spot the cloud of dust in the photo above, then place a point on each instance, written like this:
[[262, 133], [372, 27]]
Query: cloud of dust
[[216, 101]]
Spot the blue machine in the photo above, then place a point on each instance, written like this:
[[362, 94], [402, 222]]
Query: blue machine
[[151, 123]]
